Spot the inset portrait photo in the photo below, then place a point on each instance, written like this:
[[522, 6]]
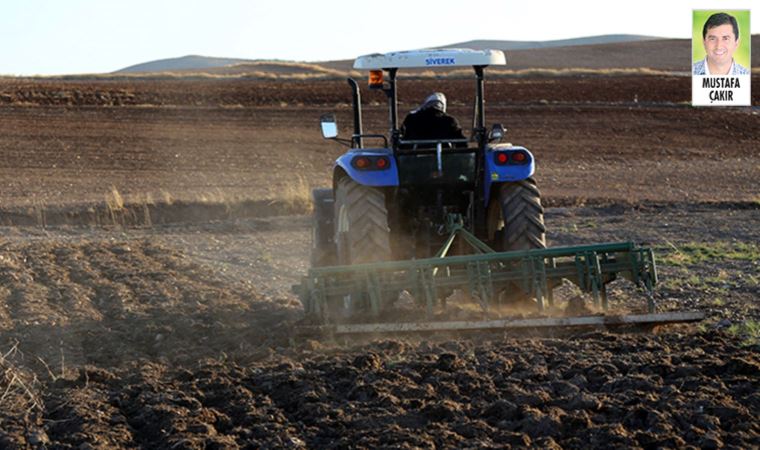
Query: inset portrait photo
[[721, 57]]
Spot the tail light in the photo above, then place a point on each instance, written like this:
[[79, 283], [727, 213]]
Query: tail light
[[511, 157], [361, 163], [519, 157], [371, 162]]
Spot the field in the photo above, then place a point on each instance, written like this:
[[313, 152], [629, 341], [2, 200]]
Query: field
[[152, 229]]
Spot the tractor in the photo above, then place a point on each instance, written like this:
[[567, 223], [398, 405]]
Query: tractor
[[423, 219]]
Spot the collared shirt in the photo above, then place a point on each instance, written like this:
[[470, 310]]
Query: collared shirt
[[701, 68]]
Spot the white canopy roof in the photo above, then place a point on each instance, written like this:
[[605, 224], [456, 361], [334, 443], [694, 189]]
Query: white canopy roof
[[447, 57]]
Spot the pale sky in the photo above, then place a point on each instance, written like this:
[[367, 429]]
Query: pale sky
[[93, 36]]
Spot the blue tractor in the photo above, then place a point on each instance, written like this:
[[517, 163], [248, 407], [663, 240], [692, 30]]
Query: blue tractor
[[392, 202], [418, 219]]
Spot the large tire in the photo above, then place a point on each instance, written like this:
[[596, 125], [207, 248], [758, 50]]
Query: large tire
[[523, 216], [523, 229], [323, 251], [362, 234]]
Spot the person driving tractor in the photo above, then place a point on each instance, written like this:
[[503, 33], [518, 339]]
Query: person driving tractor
[[430, 121]]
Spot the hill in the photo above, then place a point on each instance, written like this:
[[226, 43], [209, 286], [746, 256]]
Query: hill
[[598, 53], [189, 62], [672, 55], [530, 45], [203, 63]]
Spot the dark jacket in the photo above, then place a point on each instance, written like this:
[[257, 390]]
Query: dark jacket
[[428, 124]]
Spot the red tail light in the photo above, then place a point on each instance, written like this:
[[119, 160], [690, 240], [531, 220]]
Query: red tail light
[[511, 157], [371, 162], [361, 162]]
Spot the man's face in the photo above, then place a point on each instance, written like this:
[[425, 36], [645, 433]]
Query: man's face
[[720, 44]]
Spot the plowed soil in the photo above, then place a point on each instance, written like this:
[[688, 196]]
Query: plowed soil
[[231, 141], [148, 247]]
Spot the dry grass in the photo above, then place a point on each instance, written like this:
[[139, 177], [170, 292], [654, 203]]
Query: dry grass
[[297, 195], [114, 200], [239, 71], [167, 197], [568, 71], [143, 202], [17, 386], [115, 205], [315, 72], [286, 66], [121, 207]]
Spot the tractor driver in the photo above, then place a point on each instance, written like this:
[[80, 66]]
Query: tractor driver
[[430, 122]]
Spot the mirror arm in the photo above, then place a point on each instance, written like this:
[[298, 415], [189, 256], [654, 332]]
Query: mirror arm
[[343, 141]]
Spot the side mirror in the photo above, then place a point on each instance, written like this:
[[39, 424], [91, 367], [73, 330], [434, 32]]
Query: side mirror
[[329, 126], [497, 132]]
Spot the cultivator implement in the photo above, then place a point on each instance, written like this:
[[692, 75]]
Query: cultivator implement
[[354, 299]]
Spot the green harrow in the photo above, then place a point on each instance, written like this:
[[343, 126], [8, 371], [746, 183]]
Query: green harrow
[[353, 299]]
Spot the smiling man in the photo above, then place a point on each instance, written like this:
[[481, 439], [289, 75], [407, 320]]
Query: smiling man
[[720, 36]]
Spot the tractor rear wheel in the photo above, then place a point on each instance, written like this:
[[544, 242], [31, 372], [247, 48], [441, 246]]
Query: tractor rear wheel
[[362, 234], [523, 229], [523, 216]]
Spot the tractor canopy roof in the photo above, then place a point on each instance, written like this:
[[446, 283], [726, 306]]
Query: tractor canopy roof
[[446, 57]]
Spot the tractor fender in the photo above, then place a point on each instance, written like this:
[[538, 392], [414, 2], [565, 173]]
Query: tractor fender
[[378, 178], [495, 173]]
